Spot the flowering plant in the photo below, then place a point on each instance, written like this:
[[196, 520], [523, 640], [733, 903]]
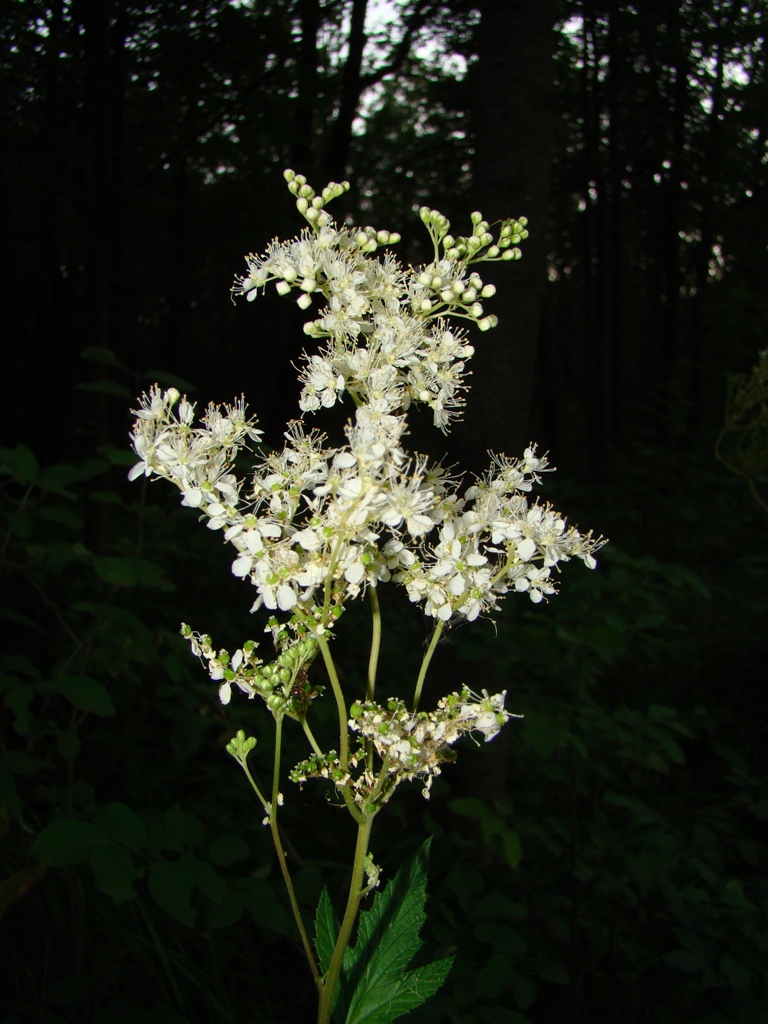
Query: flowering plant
[[315, 526]]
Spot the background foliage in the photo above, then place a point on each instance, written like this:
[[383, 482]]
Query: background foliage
[[604, 859]]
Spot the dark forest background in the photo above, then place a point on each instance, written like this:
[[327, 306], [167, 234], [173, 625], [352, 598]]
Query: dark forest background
[[604, 861]]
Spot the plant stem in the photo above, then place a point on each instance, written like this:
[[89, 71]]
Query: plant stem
[[308, 733], [340, 702], [425, 662], [330, 981], [373, 660], [281, 853]]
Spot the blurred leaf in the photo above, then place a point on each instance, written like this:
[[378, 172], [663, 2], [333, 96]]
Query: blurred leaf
[[208, 880], [67, 842], [170, 380], [737, 974], [122, 824], [85, 693], [103, 357], [685, 960], [180, 830], [523, 988], [17, 699], [20, 463], [106, 387], [171, 884], [115, 871], [118, 456], [20, 763], [225, 850]]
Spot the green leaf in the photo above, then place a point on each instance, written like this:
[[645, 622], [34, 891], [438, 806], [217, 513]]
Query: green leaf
[[685, 960], [326, 930], [20, 463], [170, 380], [208, 880], [171, 883], [106, 387], [18, 762], [180, 830], [103, 357], [117, 456], [115, 871], [374, 970], [120, 572], [227, 849], [122, 824], [85, 693], [260, 899], [736, 972], [67, 842], [130, 572], [17, 699]]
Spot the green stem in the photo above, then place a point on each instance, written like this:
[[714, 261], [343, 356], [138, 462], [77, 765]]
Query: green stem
[[373, 660], [281, 854], [340, 703], [308, 733], [356, 890], [425, 663], [262, 799]]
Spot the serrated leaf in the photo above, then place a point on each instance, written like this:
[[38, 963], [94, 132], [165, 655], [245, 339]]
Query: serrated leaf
[[326, 930], [405, 992], [387, 940]]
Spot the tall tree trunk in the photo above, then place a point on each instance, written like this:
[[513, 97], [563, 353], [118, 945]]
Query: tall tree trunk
[[512, 119], [337, 153]]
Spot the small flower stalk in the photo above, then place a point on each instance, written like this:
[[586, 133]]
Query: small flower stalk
[[316, 525]]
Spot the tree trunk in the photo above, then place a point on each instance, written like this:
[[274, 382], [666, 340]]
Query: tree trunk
[[512, 120]]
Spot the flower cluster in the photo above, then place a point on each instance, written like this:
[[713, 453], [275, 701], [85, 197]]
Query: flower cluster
[[198, 459], [414, 745], [282, 684], [315, 525]]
